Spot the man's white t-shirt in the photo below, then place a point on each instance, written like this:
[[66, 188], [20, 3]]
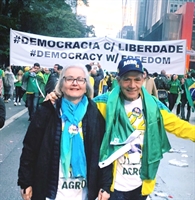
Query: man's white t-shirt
[[128, 165]]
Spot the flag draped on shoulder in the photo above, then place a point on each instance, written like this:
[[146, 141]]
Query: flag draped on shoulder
[[190, 92]]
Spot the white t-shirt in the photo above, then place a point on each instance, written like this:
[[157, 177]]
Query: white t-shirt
[[128, 167], [71, 188]]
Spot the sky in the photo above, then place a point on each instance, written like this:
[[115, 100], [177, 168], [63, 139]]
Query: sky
[[107, 16]]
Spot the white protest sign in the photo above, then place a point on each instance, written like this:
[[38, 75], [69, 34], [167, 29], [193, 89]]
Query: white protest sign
[[27, 48]]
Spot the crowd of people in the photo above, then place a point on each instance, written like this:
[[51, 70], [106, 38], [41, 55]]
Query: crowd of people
[[31, 84]]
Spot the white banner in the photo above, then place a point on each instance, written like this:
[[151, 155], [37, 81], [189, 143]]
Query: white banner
[[26, 49]]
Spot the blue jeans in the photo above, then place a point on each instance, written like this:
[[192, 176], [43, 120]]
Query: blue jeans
[[131, 195], [32, 104]]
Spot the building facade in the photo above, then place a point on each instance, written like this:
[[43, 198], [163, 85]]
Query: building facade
[[148, 14], [176, 25], [174, 5]]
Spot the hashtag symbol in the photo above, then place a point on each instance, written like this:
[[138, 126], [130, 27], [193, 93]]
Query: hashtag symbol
[[33, 53], [17, 39]]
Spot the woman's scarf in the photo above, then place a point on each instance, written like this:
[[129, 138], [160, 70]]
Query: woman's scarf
[[72, 151]]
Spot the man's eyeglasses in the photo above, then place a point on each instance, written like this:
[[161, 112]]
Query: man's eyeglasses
[[70, 80]]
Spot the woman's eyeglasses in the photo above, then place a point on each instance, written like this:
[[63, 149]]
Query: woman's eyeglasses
[[70, 80]]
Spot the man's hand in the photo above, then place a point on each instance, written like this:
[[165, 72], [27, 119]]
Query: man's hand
[[32, 69], [103, 195], [52, 97], [98, 64], [27, 193], [92, 63]]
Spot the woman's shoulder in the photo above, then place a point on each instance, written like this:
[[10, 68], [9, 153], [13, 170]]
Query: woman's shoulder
[[91, 103]]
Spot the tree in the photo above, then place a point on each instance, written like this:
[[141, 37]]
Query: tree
[[44, 17]]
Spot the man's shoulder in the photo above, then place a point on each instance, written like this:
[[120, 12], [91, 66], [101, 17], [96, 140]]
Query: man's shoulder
[[164, 78], [54, 75], [101, 98]]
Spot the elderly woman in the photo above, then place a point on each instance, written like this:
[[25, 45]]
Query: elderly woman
[[61, 148]]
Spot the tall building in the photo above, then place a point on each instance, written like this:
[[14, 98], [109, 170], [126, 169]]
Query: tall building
[[129, 19], [140, 19], [179, 24], [127, 32], [174, 5], [148, 14]]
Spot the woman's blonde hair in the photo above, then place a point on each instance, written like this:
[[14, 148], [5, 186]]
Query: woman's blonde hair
[[59, 84]]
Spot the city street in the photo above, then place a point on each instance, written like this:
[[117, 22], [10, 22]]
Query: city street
[[174, 182]]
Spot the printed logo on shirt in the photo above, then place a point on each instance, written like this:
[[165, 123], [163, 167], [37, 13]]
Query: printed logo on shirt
[[79, 184], [131, 161], [131, 171], [136, 118]]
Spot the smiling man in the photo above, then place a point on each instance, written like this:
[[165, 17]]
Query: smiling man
[[135, 137]]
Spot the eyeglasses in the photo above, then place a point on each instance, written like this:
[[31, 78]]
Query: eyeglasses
[[70, 80]]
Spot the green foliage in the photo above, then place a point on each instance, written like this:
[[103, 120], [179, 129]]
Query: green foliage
[[44, 17]]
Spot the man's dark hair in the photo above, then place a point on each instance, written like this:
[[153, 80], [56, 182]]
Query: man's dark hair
[[146, 71], [155, 74], [37, 64], [193, 74], [88, 67], [60, 67], [57, 65]]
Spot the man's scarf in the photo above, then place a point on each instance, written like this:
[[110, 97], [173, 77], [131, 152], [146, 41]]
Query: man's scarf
[[72, 151], [119, 133]]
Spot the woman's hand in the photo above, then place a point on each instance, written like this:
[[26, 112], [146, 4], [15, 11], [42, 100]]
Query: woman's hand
[[26, 193], [103, 195]]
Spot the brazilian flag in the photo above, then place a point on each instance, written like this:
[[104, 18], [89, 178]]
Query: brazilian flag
[[190, 92]]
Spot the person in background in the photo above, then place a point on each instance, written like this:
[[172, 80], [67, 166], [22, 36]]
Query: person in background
[[149, 84], [103, 87], [24, 85], [91, 79], [109, 80], [35, 89], [161, 82], [98, 74], [46, 74], [189, 91], [1, 82], [53, 78], [2, 113], [62, 143], [178, 101], [18, 88], [184, 102], [8, 82], [114, 81], [174, 89]]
